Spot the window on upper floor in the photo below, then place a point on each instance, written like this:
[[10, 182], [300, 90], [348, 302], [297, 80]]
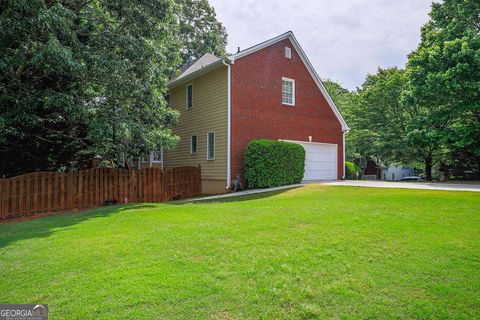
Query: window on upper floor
[[288, 91], [288, 53], [189, 94], [193, 144]]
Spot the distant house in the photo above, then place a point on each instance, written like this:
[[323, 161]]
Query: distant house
[[268, 91], [375, 169], [395, 173]]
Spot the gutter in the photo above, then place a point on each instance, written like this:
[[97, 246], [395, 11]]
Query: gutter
[[175, 82], [229, 124], [343, 135]]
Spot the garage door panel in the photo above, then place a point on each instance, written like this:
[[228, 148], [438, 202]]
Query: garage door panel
[[319, 174], [320, 161], [322, 165]]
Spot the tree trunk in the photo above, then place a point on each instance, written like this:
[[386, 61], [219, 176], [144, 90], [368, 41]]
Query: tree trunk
[[428, 167]]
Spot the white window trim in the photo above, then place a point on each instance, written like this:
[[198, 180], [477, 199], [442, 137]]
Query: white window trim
[[288, 53], [186, 96], [156, 161], [191, 150], [208, 145], [293, 91]]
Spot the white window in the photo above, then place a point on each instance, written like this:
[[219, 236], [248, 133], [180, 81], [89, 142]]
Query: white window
[[288, 53], [157, 156], [211, 146], [193, 144], [288, 91], [189, 93]]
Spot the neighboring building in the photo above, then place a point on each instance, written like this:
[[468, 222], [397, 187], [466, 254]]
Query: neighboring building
[[372, 169], [375, 169], [395, 173], [268, 91]]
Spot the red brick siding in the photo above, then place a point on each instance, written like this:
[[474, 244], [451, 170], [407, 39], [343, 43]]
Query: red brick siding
[[257, 111]]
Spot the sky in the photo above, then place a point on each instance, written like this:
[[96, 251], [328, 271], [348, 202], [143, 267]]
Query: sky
[[344, 39]]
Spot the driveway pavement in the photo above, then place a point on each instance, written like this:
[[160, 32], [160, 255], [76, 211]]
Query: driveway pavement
[[351, 183], [403, 185]]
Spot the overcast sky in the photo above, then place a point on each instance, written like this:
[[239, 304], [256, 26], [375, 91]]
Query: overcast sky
[[344, 39]]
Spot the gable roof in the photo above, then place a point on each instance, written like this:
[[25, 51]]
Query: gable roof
[[191, 69], [289, 35]]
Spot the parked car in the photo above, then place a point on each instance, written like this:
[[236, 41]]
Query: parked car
[[412, 178]]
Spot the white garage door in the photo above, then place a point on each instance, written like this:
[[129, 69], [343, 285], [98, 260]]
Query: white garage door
[[320, 161]]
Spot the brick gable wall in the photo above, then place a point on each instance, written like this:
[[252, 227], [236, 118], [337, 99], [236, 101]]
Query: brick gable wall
[[257, 111]]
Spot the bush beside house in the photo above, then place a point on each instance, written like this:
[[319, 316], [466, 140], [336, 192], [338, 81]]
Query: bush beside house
[[350, 171], [271, 163]]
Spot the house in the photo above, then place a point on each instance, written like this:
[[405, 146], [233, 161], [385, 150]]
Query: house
[[375, 169], [396, 173], [268, 91], [372, 168]]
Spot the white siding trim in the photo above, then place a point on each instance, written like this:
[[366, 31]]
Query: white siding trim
[[229, 125], [343, 134]]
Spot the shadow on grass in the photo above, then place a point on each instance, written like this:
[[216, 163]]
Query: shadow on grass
[[233, 198], [45, 226]]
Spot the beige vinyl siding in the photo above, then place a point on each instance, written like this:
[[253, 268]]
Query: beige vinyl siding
[[208, 113]]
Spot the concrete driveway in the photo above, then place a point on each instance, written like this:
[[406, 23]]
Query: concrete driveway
[[352, 183], [404, 185]]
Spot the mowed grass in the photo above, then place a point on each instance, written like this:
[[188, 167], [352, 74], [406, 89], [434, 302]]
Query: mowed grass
[[309, 253]]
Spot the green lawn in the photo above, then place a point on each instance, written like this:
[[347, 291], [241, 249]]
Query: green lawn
[[308, 253]]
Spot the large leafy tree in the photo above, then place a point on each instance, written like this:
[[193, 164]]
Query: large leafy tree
[[444, 86], [381, 118], [200, 31], [375, 115], [84, 77], [346, 101]]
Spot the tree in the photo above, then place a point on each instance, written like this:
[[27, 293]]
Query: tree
[[346, 102], [444, 84], [200, 31], [84, 77]]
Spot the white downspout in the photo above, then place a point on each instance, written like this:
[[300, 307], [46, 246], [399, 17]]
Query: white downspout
[[229, 178], [343, 134]]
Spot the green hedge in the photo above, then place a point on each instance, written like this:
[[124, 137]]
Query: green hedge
[[271, 163], [350, 170]]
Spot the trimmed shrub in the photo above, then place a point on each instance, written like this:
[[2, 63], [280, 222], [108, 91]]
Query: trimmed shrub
[[271, 163], [350, 171]]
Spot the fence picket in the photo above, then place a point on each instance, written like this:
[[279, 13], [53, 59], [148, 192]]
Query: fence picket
[[45, 192]]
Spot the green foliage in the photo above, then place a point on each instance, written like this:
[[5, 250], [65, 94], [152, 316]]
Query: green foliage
[[200, 31], [79, 78], [351, 170], [428, 114], [444, 84], [346, 101], [271, 163]]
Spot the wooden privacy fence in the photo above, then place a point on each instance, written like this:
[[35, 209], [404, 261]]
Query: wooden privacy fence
[[44, 192]]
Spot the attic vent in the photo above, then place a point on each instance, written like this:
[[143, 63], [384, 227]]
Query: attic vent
[[288, 53]]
